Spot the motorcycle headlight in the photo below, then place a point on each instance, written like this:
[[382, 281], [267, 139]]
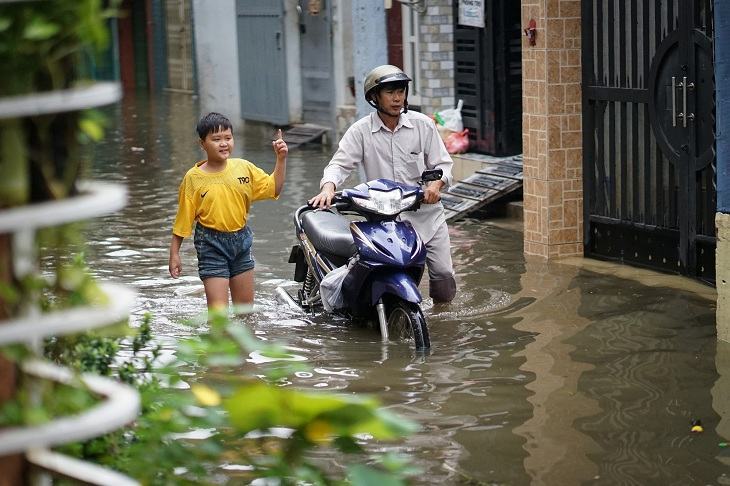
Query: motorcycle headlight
[[385, 202]]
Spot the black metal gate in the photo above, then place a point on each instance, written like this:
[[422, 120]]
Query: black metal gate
[[649, 133], [488, 77]]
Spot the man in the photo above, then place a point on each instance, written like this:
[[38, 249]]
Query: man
[[396, 144]]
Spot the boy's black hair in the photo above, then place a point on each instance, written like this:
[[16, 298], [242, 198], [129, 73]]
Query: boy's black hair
[[212, 123]]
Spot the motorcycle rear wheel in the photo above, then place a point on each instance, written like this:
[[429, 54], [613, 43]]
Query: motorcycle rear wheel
[[406, 323]]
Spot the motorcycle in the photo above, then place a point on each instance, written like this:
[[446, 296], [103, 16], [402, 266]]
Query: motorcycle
[[379, 260]]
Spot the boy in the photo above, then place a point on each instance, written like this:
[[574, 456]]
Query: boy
[[216, 194]]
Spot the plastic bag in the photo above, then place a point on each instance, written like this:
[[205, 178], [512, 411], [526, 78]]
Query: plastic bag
[[330, 288], [457, 142], [451, 118]]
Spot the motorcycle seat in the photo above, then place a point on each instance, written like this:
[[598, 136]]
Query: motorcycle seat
[[329, 233]]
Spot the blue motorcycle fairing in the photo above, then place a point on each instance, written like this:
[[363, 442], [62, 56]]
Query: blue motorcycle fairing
[[399, 284], [392, 243]]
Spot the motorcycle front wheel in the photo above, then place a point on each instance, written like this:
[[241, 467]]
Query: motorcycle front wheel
[[406, 323]]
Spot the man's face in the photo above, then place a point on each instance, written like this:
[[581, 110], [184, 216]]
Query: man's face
[[218, 145], [391, 99]]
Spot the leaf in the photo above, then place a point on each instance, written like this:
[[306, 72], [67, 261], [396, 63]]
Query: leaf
[[92, 129], [319, 431], [243, 337], [348, 445], [255, 407], [398, 463], [40, 29], [360, 475], [261, 406], [205, 395], [5, 23]]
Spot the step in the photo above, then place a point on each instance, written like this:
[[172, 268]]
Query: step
[[483, 180]]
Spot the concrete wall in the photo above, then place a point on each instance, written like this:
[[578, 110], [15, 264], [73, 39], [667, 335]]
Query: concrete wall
[[293, 65], [370, 45], [342, 52], [722, 274], [217, 75], [722, 219]]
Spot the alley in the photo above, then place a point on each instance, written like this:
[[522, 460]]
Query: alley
[[543, 373]]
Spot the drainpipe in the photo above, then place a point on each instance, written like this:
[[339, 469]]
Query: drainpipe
[[370, 45], [722, 218]]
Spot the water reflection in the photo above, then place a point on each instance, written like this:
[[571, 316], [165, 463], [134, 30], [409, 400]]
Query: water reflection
[[651, 377], [558, 451], [539, 374]]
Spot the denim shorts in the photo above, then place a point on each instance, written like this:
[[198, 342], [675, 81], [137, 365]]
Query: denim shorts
[[223, 254]]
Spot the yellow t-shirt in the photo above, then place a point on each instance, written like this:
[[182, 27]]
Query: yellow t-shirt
[[220, 200]]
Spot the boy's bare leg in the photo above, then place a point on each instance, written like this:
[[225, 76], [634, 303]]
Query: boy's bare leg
[[216, 292], [242, 288]]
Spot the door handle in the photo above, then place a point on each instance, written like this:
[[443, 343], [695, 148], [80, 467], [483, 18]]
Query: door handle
[[683, 115], [690, 116], [674, 102], [278, 41], [684, 101]]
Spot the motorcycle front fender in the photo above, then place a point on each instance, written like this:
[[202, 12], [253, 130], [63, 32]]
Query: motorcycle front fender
[[399, 284]]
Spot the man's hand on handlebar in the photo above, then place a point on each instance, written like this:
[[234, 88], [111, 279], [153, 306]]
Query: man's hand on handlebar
[[324, 199], [432, 192]]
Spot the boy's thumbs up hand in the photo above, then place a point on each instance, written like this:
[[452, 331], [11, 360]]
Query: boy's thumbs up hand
[[280, 148]]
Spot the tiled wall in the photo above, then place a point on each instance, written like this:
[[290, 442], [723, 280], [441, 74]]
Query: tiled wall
[[551, 127], [437, 56]]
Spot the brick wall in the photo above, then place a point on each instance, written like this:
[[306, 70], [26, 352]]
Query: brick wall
[[437, 56], [551, 127]]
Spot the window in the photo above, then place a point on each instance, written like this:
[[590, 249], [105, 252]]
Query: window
[[411, 52]]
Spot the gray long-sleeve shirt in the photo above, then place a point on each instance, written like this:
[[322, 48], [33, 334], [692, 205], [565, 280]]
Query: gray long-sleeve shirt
[[401, 155]]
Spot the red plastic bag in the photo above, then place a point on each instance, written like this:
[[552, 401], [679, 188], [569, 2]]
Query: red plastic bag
[[457, 142]]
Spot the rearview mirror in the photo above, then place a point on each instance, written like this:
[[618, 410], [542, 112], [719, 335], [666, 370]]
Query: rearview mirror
[[432, 175]]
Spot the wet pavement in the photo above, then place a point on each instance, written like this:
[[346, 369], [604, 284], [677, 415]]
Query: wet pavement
[[540, 373]]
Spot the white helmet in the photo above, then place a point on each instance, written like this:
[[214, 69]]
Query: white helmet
[[380, 76]]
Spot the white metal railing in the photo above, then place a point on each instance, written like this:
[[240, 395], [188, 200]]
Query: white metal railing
[[119, 408], [81, 98], [68, 321], [75, 469], [120, 403]]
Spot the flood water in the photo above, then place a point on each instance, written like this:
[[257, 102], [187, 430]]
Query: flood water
[[562, 373]]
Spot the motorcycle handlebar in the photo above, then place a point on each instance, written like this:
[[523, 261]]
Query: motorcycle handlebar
[[339, 203]]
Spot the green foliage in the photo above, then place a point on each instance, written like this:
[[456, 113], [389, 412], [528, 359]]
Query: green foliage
[[229, 407], [231, 412], [71, 286], [84, 353], [43, 47], [91, 126], [253, 406], [42, 42], [64, 400], [14, 187]]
